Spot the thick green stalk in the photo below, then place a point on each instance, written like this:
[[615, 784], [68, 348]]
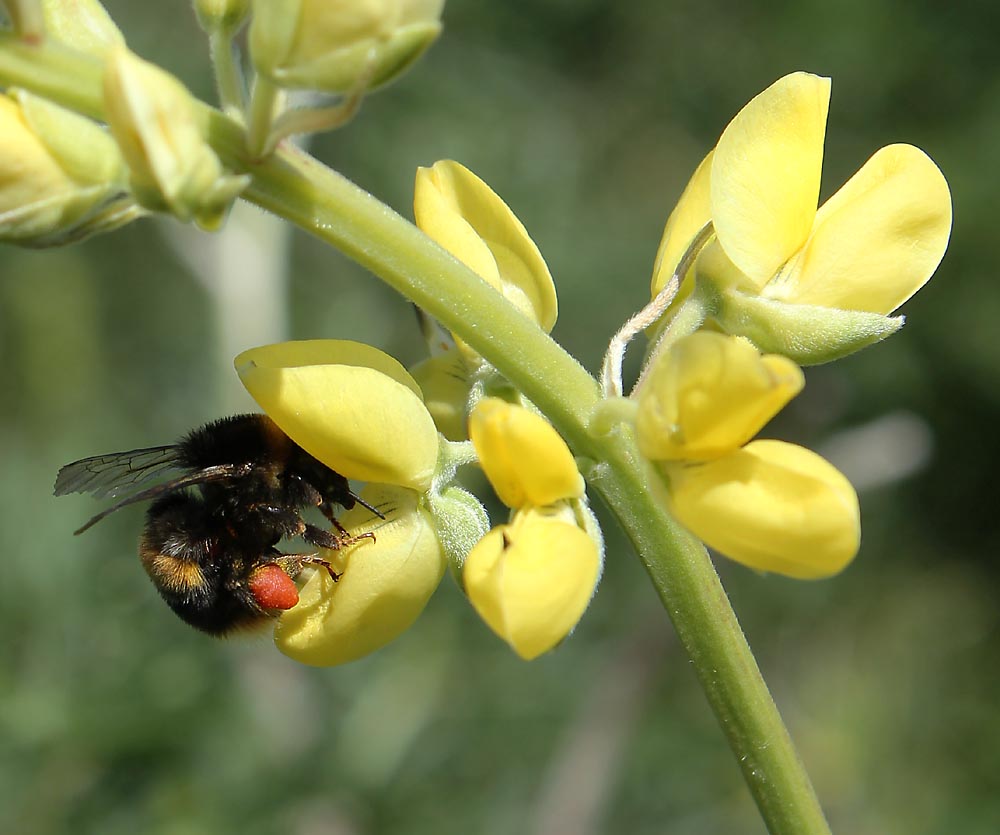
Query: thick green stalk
[[301, 190]]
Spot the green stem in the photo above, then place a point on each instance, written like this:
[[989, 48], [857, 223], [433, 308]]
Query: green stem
[[228, 78], [298, 188], [264, 100]]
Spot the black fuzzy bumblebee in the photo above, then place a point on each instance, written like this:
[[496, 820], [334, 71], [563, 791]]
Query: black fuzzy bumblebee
[[211, 552]]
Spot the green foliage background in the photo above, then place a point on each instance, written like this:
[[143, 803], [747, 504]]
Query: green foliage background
[[587, 117]]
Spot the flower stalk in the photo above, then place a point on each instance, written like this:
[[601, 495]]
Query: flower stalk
[[298, 188]]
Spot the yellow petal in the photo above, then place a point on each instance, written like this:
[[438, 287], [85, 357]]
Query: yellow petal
[[772, 506], [465, 216], [522, 455], [384, 585], [690, 214], [766, 174], [877, 240], [709, 395], [532, 580], [349, 405]]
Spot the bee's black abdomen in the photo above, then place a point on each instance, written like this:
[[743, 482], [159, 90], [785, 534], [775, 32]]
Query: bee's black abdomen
[[200, 574]]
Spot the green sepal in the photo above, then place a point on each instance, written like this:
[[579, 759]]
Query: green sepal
[[460, 521], [807, 334]]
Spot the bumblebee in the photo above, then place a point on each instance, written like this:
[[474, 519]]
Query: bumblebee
[[235, 488]]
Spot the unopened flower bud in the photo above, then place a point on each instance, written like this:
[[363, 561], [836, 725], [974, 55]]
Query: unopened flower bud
[[60, 173], [152, 116], [334, 47]]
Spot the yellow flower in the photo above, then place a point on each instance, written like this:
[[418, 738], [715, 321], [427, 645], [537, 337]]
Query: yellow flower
[[61, 175], [868, 248], [709, 395], [769, 505], [466, 217], [531, 580], [152, 117], [359, 412], [335, 46]]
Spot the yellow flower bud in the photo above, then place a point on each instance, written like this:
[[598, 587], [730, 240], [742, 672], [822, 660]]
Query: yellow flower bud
[[465, 216], [173, 168], [334, 46], [532, 580], [61, 175], [383, 587], [350, 405], [83, 25], [710, 394], [772, 506], [522, 455]]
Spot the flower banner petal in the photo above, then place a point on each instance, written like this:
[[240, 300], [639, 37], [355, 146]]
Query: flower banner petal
[[451, 204], [766, 174], [772, 506], [358, 420], [878, 239]]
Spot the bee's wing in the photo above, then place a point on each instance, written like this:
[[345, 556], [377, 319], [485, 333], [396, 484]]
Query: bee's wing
[[118, 472], [221, 472]]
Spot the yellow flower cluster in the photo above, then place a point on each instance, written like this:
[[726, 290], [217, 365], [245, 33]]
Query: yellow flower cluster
[[531, 579], [809, 283]]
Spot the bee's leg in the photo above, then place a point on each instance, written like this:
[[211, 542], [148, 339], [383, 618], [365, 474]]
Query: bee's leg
[[327, 539], [292, 564]]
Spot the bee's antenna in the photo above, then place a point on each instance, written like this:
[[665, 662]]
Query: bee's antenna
[[367, 506]]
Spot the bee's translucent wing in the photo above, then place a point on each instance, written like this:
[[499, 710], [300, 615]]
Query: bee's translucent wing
[[116, 473], [219, 472]]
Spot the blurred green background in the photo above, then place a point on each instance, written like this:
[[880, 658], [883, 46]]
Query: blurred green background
[[587, 117]]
